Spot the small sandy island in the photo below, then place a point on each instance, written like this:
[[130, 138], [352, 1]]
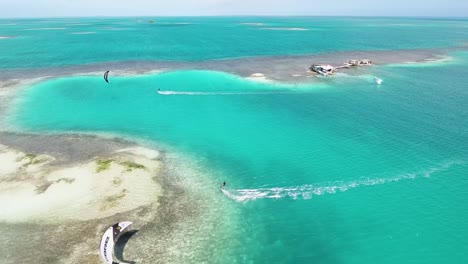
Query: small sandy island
[[92, 189], [6, 37], [260, 77]]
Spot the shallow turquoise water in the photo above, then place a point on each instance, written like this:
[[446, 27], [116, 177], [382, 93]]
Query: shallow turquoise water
[[333, 172], [55, 42]]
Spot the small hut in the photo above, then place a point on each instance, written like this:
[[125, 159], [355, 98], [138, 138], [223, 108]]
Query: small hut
[[365, 62], [323, 69]]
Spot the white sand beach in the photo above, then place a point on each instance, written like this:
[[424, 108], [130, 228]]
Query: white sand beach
[[94, 189], [258, 77]]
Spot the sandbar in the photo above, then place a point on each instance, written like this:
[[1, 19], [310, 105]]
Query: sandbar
[[92, 189], [290, 68]]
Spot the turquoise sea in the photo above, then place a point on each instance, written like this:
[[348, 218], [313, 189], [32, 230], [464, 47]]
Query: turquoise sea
[[334, 170]]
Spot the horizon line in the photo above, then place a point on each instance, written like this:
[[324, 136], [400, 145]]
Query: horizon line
[[245, 15]]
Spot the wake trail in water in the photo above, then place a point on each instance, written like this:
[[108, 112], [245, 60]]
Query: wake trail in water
[[307, 191], [224, 93]]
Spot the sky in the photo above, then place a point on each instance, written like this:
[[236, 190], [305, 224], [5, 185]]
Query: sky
[[65, 8]]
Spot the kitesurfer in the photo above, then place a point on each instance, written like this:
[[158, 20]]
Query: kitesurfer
[[224, 185], [106, 76]]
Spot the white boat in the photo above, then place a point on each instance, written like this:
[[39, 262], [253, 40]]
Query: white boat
[[378, 81]]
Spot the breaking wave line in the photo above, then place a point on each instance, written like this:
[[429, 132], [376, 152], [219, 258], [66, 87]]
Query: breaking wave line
[[307, 191]]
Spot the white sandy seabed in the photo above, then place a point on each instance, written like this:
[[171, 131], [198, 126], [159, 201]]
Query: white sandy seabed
[[33, 189]]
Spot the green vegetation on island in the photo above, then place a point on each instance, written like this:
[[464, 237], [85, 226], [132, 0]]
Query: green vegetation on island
[[129, 165], [103, 164], [32, 159]]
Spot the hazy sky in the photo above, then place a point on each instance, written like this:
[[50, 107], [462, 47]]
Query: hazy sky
[[49, 8]]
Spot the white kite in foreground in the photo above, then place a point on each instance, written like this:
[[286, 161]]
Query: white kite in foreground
[[109, 239]]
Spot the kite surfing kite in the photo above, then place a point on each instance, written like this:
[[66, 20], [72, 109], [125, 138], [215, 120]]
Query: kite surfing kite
[[106, 74], [109, 239]]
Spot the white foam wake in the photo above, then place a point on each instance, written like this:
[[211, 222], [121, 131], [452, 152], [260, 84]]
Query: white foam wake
[[222, 93], [307, 191]]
